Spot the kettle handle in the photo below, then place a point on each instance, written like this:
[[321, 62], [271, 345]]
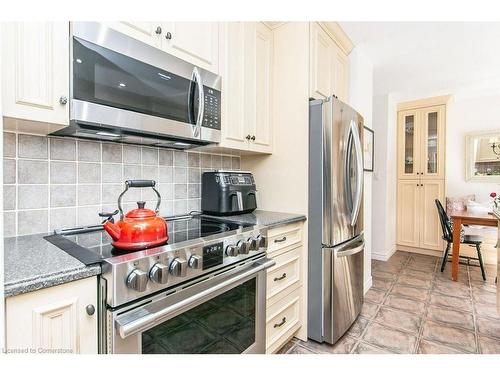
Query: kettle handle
[[139, 184]]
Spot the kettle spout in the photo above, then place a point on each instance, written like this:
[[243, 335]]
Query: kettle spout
[[113, 230]]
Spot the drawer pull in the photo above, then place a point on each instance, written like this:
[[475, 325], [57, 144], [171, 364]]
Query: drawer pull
[[283, 321], [280, 278], [280, 240]]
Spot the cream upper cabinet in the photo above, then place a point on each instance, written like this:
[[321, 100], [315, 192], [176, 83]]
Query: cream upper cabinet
[[408, 144], [147, 32], [258, 81], [432, 159], [421, 140], [56, 318], [196, 42], [35, 71], [246, 69], [321, 63], [329, 71], [232, 64]]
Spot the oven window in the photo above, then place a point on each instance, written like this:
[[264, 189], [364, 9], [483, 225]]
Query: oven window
[[109, 78], [224, 324]]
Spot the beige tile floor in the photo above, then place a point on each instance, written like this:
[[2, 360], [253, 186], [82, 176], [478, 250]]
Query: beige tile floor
[[414, 308]]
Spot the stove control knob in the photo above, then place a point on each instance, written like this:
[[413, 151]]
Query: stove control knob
[[244, 246], [262, 241], [137, 280], [254, 244], [178, 267], [159, 273], [232, 250], [195, 262]]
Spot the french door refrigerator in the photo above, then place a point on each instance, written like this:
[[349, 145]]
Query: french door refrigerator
[[335, 222]]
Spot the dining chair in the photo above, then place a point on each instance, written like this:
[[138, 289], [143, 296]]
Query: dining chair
[[471, 240]]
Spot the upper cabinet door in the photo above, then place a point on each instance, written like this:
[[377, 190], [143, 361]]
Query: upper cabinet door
[[408, 144], [321, 63], [259, 79], [196, 42], [340, 74], [432, 142], [147, 32], [35, 71], [232, 64]]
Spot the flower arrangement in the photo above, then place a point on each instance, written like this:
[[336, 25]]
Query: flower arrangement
[[496, 199]]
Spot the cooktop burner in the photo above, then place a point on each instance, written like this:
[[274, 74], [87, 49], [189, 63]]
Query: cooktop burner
[[180, 229]]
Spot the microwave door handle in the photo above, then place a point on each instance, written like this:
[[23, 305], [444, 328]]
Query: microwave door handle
[[201, 102], [359, 172]]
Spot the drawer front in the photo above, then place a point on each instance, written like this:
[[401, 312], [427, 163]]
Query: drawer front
[[283, 277], [282, 320], [283, 237]]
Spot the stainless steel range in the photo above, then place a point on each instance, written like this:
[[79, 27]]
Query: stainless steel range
[[203, 292]]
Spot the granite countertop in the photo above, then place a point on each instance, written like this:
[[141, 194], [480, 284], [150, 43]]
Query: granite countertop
[[269, 219], [32, 263]]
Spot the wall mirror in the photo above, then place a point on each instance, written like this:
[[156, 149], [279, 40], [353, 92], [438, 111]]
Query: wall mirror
[[482, 153]]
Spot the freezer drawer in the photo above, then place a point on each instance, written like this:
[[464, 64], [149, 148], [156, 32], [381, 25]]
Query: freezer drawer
[[343, 287]]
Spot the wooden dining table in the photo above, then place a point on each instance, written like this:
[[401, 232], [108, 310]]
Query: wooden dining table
[[466, 217]]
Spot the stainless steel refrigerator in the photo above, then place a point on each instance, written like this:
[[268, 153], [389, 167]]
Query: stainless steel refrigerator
[[335, 221]]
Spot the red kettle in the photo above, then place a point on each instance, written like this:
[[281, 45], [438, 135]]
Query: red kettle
[[140, 228]]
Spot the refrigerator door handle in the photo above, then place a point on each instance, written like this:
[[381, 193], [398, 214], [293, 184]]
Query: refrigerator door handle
[[355, 250], [359, 172]]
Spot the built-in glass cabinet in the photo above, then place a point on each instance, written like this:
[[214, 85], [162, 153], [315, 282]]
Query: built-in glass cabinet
[[421, 143]]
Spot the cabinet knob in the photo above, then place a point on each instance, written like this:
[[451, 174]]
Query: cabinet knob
[[63, 100], [90, 309], [158, 30], [253, 138], [248, 137], [168, 35]]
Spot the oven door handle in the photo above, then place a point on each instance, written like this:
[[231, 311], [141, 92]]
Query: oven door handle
[[144, 322]]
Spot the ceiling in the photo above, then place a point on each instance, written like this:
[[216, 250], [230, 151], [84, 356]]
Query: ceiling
[[419, 57]]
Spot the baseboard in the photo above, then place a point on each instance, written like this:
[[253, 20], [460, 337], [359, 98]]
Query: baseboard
[[368, 285], [418, 250], [383, 256]]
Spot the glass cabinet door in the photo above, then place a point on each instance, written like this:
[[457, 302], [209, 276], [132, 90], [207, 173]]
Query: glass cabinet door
[[432, 153], [408, 150]]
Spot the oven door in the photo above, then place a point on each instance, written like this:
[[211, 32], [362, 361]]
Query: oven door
[[119, 82], [223, 314]]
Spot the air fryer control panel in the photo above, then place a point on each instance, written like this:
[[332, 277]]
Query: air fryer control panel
[[211, 114], [235, 179]]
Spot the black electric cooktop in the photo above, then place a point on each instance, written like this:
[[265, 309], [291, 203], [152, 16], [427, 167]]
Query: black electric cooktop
[[79, 242]]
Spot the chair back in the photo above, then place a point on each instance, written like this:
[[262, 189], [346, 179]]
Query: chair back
[[445, 222]]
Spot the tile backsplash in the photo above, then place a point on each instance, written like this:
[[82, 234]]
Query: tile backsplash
[[52, 183]]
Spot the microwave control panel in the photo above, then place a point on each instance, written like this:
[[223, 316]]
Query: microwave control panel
[[211, 116]]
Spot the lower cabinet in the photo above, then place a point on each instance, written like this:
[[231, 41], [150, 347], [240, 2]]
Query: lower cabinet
[[284, 314], [417, 217], [54, 320]]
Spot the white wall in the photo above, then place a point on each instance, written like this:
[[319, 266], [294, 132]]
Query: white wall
[[468, 114], [384, 178], [361, 99]]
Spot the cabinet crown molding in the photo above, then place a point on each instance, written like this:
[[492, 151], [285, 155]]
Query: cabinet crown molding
[[422, 103], [333, 29]]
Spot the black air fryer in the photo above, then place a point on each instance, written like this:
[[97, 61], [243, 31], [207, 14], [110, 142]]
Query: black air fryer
[[227, 193]]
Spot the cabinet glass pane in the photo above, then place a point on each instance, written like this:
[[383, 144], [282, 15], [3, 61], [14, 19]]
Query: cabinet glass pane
[[432, 142], [409, 143]]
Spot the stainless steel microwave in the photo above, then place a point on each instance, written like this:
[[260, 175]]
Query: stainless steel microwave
[[124, 90]]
